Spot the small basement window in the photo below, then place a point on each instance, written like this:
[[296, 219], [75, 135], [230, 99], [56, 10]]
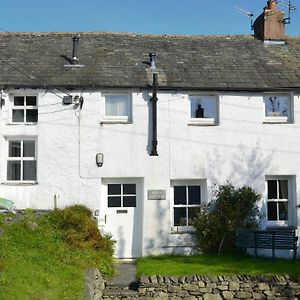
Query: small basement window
[[24, 109]]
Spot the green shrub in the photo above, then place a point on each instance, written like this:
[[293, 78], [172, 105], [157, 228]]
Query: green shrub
[[79, 229], [233, 208]]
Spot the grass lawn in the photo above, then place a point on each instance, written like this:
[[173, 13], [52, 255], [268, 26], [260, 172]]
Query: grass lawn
[[215, 265], [36, 263]]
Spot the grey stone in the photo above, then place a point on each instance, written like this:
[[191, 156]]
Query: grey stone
[[263, 286], [174, 288], [167, 280], [212, 297], [181, 279], [32, 225], [175, 298], [144, 279], [212, 285], [190, 287], [161, 296], [205, 290], [234, 286], [258, 296], [201, 284], [183, 294], [173, 279], [160, 279], [227, 295], [243, 295], [222, 287], [153, 279]]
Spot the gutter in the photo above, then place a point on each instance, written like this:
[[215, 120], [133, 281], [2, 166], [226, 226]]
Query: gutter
[[161, 88]]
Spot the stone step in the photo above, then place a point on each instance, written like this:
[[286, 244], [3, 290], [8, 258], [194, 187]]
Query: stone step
[[117, 291]]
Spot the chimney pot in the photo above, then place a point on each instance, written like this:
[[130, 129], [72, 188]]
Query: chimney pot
[[272, 4]]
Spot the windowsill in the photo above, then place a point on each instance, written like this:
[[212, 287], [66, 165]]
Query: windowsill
[[115, 122], [276, 120], [203, 122], [21, 123], [183, 230], [16, 183]]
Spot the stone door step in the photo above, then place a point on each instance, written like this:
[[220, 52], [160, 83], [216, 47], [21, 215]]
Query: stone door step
[[119, 291]]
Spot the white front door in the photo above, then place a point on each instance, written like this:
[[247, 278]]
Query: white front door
[[122, 215]]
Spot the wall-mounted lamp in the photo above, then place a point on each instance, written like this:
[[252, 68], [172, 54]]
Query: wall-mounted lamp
[[99, 159]]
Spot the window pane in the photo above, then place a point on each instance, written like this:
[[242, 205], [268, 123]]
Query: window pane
[[283, 211], [28, 149], [19, 101], [114, 189], [276, 106], [192, 213], [116, 105], [203, 107], [179, 195], [180, 216], [114, 201], [31, 115], [18, 115], [29, 170], [31, 100], [194, 195], [14, 148], [283, 189], [129, 189], [14, 170], [272, 211], [272, 189], [129, 201]]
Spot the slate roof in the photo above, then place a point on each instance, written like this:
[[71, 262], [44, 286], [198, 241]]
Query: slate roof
[[116, 60]]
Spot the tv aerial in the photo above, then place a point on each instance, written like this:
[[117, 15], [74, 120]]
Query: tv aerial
[[246, 13], [290, 8]]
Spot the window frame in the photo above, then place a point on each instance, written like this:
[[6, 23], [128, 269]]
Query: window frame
[[21, 158], [24, 107], [203, 201], [121, 195], [290, 201], [205, 121], [280, 119], [117, 119]]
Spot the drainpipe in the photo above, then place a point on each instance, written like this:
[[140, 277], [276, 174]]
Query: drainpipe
[[154, 100]]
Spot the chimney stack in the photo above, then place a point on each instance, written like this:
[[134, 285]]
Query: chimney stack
[[269, 26]]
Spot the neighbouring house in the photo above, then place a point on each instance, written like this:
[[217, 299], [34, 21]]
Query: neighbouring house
[[98, 119]]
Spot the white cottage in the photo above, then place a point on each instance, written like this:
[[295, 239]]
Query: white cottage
[[80, 124]]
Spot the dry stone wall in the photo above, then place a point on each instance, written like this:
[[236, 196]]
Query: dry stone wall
[[213, 288], [219, 287]]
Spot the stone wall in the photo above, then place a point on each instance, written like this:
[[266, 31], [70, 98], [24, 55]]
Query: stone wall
[[94, 285], [213, 288], [219, 287]]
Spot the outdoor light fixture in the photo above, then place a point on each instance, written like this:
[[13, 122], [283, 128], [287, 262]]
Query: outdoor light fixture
[[99, 159]]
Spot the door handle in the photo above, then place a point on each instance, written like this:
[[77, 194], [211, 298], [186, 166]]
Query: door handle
[[105, 218]]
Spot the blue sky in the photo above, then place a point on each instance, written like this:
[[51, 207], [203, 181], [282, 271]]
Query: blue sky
[[139, 16]]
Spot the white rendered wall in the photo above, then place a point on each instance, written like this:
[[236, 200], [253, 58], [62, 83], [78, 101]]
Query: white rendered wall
[[241, 149]]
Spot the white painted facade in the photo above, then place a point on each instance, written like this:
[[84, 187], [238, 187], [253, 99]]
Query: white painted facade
[[241, 148]]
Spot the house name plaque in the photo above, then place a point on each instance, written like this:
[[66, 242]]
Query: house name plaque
[[156, 194]]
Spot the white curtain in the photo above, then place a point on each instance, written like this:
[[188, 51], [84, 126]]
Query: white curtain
[[116, 105]]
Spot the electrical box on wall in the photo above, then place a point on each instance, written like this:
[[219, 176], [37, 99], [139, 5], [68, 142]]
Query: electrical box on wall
[[67, 100]]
